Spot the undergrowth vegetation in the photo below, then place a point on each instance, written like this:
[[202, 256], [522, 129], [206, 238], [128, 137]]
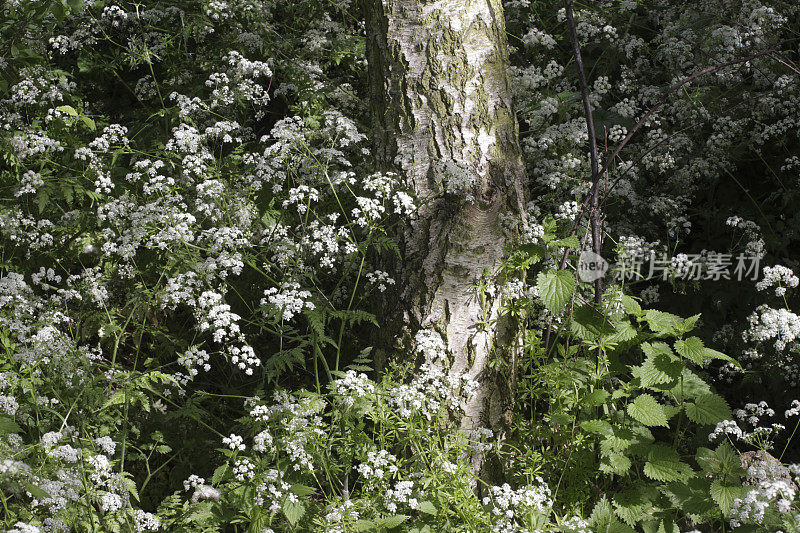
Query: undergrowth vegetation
[[196, 248]]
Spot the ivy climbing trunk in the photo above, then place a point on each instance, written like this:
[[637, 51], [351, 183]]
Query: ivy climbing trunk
[[443, 120]]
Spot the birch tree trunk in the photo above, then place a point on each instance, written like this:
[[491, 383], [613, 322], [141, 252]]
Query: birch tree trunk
[[443, 120]]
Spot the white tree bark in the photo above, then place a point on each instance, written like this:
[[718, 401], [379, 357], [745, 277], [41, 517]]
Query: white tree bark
[[443, 119]]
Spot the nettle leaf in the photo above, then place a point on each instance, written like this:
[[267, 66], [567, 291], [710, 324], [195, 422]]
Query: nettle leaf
[[724, 495], [630, 305], [623, 331], [667, 324], [427, 507], [691, 497], [615, 463], [534, 252], [602, 515], [664, 464], [662, 323], [648, 411], [8, 426], [595, 398], [660, 366], [619, 441], [634, 504], [692, 349], [569, 242], [618, 527], [293, 511], [392, 521], [708, 461], [714, 354], [555, 288], [690, 386], [708, 409], [589, 324], [601, 427], [724, 461], [365, 525]]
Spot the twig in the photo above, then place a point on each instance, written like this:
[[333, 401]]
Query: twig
[[587, 107]]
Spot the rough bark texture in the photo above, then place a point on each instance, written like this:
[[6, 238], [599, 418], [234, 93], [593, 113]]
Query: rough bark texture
[[443, 119]]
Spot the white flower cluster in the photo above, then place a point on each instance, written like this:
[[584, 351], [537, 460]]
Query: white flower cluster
[[681, 264], [568, 210], [297, 424], [511, 508], [144, 521], [430, 345], [234, 442], [401, 494], [430, 391], [380, 278], [760, 432], [193, 359], [753, 507], [480, 439], [576, 524], [272, 490], [377, 465], [342, 517], [217, 317], [289, 300], [352, 386], [767, 323], [244, 469], [780, 277]]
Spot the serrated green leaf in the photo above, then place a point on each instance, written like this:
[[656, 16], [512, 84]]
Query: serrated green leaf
[[615, 463], [634, 504], [708, 461], [619, 527], [534, 252], [630, 305], [302, 490], [602, 515], [690, 386], [623, 331], [691, 497], [36, 492], [589, 324], [555, 288], [595, 398], [714, 354], [8, 426], [724, 495], [219, 474], [692, 349], [392, 521], [68, 109], [661, 322], [570, 242], [293, 511], [659, 367], [708, 409], [427, 507], [366, 525], [601, 427], [665, 470], [648, 411]]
